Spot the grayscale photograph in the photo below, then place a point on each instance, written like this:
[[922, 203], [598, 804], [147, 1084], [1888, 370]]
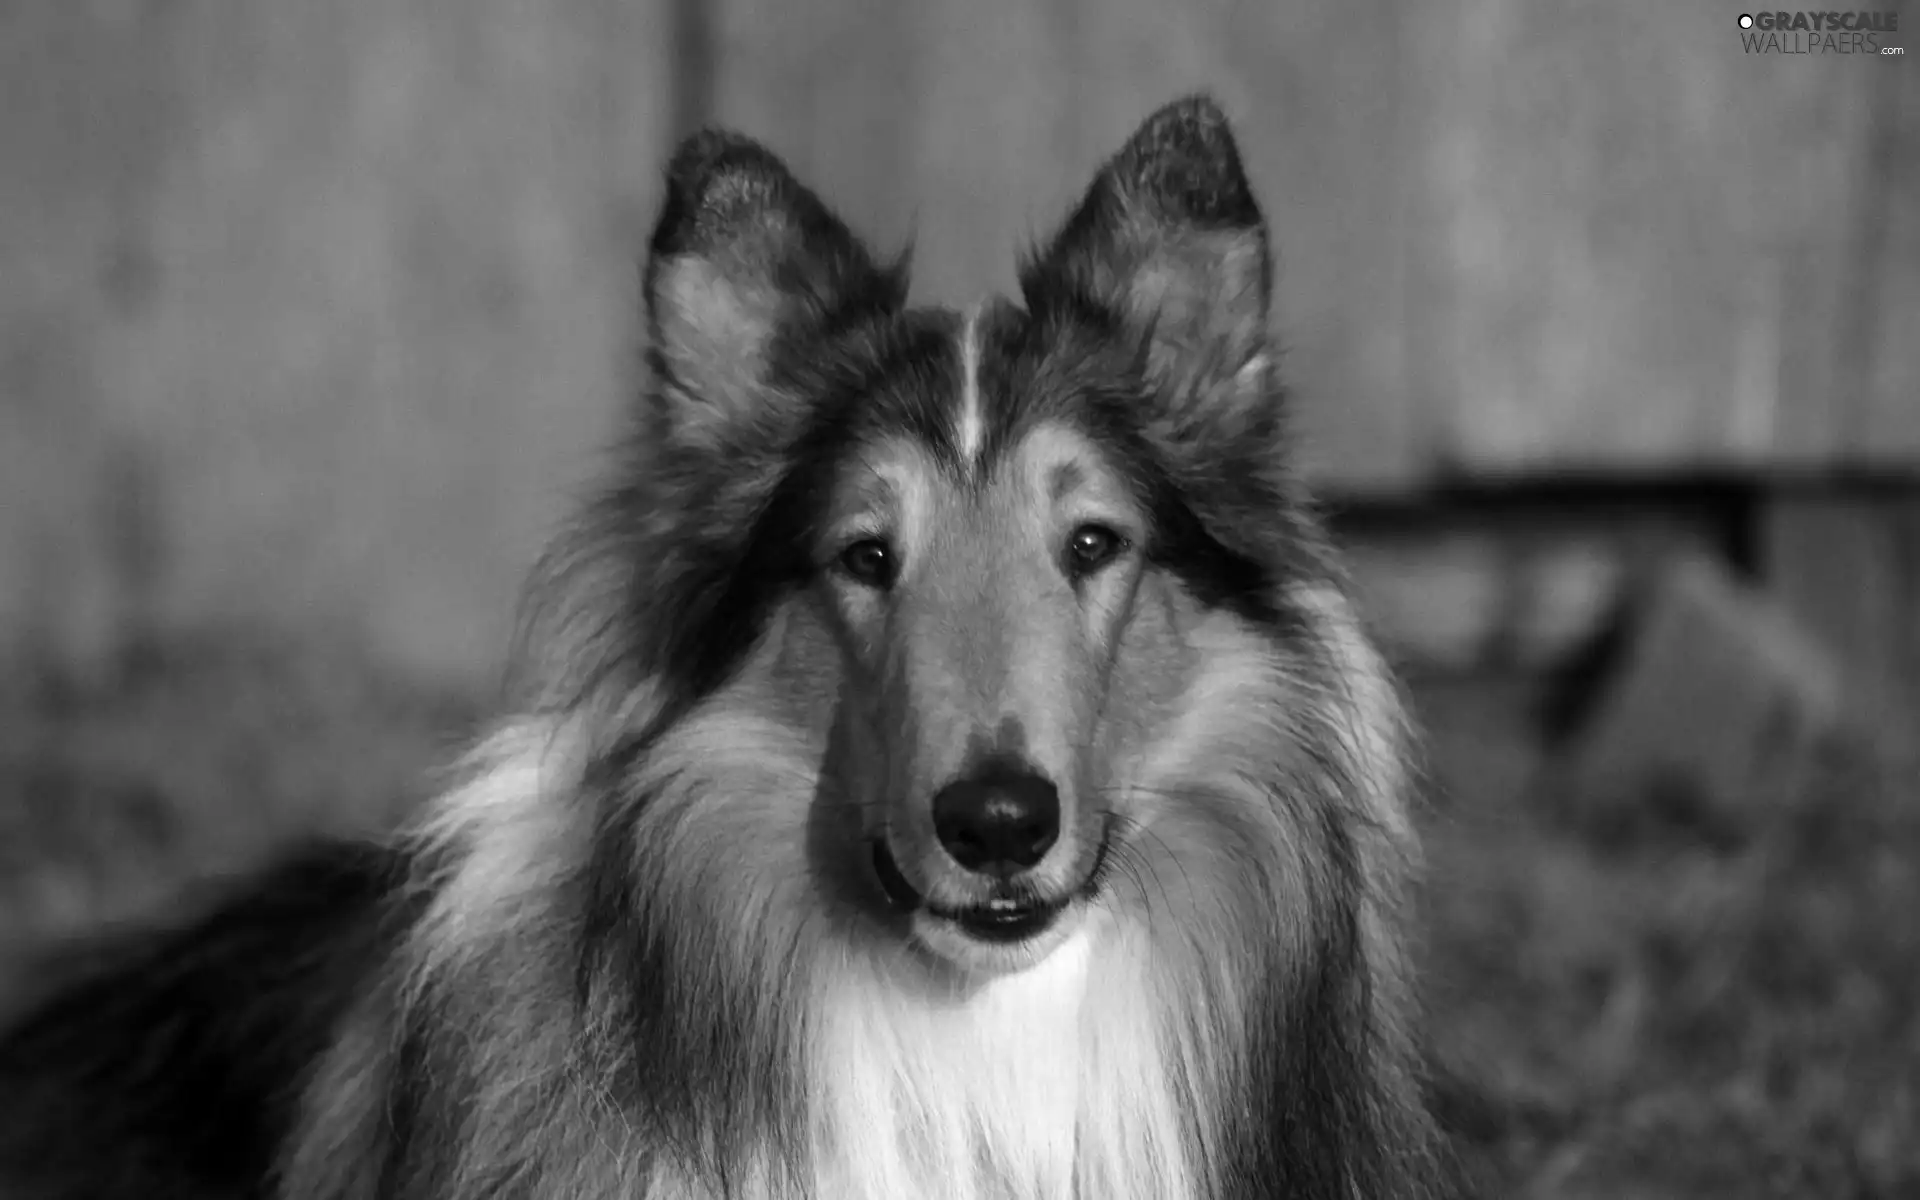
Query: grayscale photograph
[[959, 600]]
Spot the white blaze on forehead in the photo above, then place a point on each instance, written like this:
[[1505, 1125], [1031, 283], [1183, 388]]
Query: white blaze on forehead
[[972, 426]]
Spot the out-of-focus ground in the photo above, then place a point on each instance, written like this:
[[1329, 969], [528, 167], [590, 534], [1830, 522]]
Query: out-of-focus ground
[[1672, 1001], [1663, 1004]]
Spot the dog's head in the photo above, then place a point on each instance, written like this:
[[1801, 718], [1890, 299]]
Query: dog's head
[[985, 558]]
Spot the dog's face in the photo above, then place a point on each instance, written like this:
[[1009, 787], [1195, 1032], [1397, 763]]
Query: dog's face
[[988, 540], [980, 596]]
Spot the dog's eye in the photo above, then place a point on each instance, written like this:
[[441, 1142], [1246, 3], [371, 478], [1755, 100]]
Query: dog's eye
[[1092, 547], [869, 561]]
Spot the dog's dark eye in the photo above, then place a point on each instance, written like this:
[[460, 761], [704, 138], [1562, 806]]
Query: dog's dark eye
[[869, 561], [1092, 547]]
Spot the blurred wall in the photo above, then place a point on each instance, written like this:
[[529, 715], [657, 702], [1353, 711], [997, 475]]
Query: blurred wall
[[312, 311]]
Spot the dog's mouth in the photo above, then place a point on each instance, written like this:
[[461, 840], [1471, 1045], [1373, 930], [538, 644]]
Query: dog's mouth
[[1005, 919]]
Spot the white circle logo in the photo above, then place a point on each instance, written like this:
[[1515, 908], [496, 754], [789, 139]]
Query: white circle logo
[[1746, 22]]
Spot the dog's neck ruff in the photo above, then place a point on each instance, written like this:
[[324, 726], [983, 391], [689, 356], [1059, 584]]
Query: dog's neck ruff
[[1055, 1083], [1043, 1084]]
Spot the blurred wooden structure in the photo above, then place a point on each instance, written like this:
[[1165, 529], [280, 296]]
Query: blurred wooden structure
[[313, 310]]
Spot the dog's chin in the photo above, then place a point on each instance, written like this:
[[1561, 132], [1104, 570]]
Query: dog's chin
[[959, 940], [999, 936]]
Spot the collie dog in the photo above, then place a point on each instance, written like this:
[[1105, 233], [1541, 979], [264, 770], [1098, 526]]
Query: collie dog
[[945, 765]]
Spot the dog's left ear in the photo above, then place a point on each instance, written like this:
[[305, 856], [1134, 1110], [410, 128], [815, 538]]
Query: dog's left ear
[[1170, 242]]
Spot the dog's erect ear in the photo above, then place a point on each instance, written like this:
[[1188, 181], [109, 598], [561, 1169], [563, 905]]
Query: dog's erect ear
[[1170, 241], [743, 259]]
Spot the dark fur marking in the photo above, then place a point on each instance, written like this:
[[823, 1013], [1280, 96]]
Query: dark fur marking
[[699, 1102], [1048, 368], [176, 1073], [887, 384]]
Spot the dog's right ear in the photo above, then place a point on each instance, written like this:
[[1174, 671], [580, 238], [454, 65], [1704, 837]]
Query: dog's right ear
[[743, 260]]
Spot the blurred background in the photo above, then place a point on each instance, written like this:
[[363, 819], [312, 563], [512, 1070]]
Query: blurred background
[[1604, 323]]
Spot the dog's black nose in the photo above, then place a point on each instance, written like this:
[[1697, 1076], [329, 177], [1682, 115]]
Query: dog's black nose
[[998, 821]]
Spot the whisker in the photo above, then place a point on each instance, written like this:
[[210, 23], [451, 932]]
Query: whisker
[[1167, 852], [1131, 856]]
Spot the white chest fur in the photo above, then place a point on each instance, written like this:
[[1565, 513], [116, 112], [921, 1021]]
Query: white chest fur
[[1049, 1084]]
